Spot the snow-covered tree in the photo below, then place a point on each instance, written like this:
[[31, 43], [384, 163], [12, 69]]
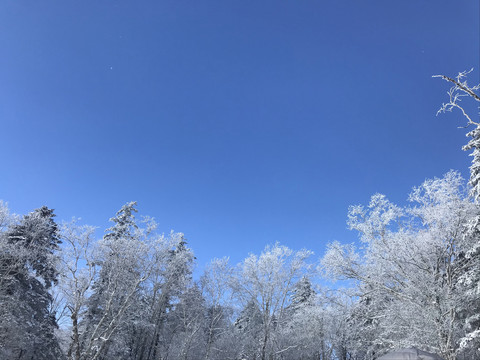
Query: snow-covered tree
[[302, 295], [267, 281], [469, 281], [28, 266], [215, 283], [171, 273], [187, 322], [302, 333], [346, 337], [470, 259], [124, 260], [407, 273], [248, 330], [78, 274]]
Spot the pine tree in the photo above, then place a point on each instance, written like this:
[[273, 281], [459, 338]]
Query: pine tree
[[124, 223], [28, 326], [468, 264], [115, 287], [474, 144], [303, 294]]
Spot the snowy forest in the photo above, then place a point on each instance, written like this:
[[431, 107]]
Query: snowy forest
[[412, 279]]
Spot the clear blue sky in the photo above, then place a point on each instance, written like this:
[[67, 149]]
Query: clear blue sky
[[239, 123]]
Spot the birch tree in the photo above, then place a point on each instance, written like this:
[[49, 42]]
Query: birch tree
[[78, 274], [215, 284]]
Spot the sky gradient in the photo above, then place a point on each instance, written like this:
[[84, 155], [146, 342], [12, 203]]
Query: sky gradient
[[239, 123]]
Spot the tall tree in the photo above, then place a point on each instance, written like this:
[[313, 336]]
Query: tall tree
[[172, 264], [123, 256], [469, 261], [29, 270], [78, 274], [215, 283], [461, 89]]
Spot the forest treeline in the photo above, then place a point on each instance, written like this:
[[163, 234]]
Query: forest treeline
[[412, 279]]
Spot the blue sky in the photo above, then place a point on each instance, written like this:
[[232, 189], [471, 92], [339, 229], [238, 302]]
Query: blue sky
[[239, 123]]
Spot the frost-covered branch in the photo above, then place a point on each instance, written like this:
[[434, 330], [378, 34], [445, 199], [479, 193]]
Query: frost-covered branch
[[456, 92]]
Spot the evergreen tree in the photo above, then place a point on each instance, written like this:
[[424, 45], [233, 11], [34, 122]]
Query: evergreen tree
[[115, 287], [27, 324], [474, 144], [468, 264], [38, 233], [249, 325], [303, 294], [124, 223]]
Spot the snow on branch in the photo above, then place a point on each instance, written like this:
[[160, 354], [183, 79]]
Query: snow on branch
[[457, 91]]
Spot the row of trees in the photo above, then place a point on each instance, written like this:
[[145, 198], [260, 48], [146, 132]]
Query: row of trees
[[131, 295], [412, 280]]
